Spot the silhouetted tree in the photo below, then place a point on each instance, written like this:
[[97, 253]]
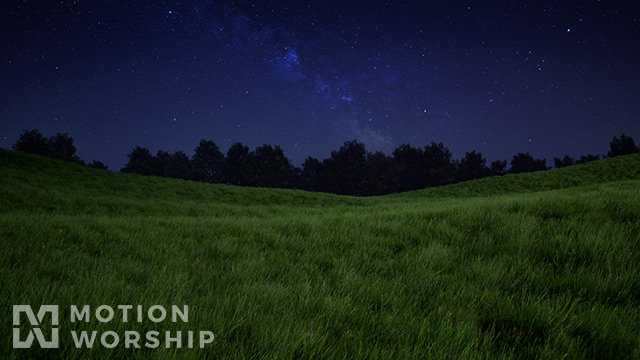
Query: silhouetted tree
[[178, 166], [409, 168], [346, 169], [380, 177], [33, 142], [296, 180], [238, 166], [311, 175], [272, 168], [473, 166], [524, 162], [499, 167], [97, 165], [140, 162], [623, 146], [349, 170], [437, 159], [562, 162], [208, 162], [62, 148], [160, 162], [587, 158]]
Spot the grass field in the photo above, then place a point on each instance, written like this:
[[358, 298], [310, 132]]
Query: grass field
[[541, 265]]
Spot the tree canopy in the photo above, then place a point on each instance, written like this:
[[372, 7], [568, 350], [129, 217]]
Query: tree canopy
[[59, 146], [349, 170], [622, 146]]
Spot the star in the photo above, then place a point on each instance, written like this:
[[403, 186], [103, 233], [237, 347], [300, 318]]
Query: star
[[304, 73]]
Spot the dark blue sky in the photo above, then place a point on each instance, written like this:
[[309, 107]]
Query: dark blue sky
[[547, 77]]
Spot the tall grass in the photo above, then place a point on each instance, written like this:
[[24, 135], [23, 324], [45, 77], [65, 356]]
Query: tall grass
[[542, 265]]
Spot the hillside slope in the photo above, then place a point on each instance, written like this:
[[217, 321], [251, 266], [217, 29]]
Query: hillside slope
[[596, 172], [34, 182], [547, 267]]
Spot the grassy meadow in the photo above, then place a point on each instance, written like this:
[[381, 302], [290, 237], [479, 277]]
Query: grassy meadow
[[540, 265]]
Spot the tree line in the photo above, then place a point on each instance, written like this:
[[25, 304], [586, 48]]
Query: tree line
[[59, 146], [350, 170]]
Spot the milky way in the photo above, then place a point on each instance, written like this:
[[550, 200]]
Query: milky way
[[550, 79]]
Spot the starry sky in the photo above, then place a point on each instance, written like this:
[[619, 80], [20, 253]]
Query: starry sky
[[500, 77]]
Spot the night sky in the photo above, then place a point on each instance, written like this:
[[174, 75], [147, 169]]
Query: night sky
[[545, 77]]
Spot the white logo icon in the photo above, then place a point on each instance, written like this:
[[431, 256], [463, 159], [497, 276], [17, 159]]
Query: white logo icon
[[35, 323]]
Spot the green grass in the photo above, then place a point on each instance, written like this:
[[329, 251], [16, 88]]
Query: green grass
[[541, 265]]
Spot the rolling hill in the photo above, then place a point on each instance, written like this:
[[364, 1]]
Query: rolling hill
[[538, 265]]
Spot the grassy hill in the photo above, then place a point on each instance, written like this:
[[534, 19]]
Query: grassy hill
[[540, 265], [596, 172]]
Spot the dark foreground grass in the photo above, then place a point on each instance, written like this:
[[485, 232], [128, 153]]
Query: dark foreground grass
[[442, 273]]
